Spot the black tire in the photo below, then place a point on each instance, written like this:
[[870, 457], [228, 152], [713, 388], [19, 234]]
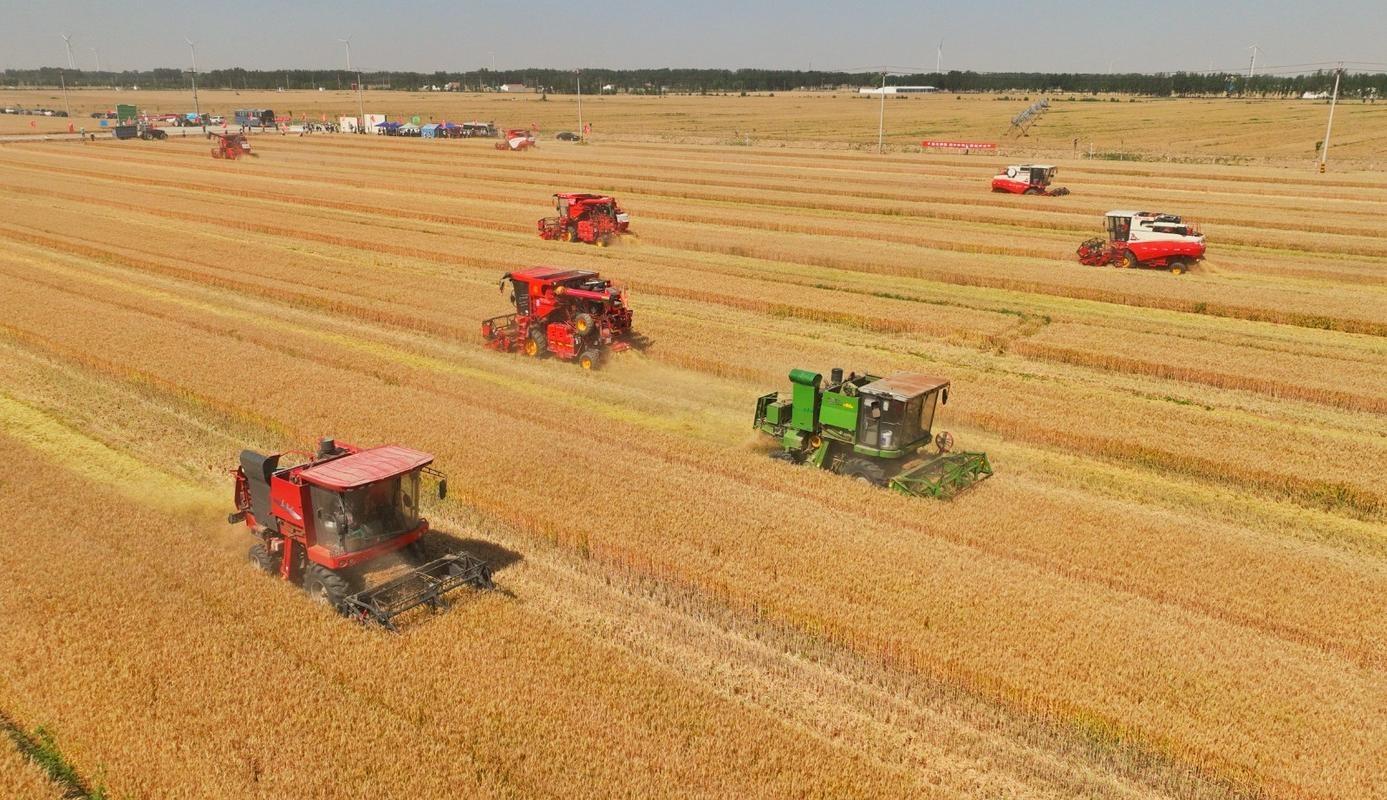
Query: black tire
[[1032, 191], [584, 325], [540, 340], [590, 359], [864, 470], [261, 559], [1179, 266], [786, 456], [325, 586], [1128, 260]]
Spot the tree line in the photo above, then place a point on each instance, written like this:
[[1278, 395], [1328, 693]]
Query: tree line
[[719, 81]]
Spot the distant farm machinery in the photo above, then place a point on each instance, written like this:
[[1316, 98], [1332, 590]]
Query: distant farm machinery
[[574, 315], [873, 429], [1028, 179], [591, 218], [339, 510], [230, 145], [517, 139], [1144, 239]]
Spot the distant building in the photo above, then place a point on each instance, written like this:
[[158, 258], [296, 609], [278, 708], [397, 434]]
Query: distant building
[[896, 90]]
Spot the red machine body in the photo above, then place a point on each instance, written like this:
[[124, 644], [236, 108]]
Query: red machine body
[[340, 508], [230, 145], [1028, 179], [1145, 239], [591, 218], [517, 139], [572, 314]]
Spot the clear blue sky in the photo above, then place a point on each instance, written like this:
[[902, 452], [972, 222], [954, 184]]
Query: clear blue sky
[[426, 35]]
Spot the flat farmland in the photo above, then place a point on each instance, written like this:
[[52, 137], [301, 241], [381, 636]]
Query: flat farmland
[[1172, 587]]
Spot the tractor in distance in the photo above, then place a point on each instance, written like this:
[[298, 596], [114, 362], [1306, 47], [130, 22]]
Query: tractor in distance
[[230, 145], [573, 314], [591, 218], [1028, 179], [1144, 239], [325, 520], [517, 139], [870, 428]]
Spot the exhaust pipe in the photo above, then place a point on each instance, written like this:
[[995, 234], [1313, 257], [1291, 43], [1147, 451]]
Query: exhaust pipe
[[327, 447], [836, 376]]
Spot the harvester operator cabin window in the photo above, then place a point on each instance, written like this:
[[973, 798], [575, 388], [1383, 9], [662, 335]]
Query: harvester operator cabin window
[[359, 518]]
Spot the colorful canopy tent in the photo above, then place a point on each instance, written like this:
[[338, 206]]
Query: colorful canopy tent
[[408, 129], [388, 128], [431, 131]]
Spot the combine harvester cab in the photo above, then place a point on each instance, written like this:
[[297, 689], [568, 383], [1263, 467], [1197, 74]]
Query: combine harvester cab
[[1145, 239], [871, 428], [572, 314], [1028, 179], [321, 522], [591, 218]]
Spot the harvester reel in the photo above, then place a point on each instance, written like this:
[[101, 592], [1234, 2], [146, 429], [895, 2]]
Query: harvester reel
[[944, 441], [1094, 252]]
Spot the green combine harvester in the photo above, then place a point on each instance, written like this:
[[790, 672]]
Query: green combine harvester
[[870, 428]]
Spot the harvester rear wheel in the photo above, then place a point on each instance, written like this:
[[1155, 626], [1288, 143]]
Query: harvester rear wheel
[[1178, 266], [261, 559], [583, 324], [325, 586], [868, 472], [590, 359]]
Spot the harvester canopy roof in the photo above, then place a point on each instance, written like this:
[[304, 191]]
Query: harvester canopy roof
[[366, 466], [904, 385], [555, 274]]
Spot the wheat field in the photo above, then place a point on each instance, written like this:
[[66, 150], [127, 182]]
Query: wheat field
[[1172, 587]]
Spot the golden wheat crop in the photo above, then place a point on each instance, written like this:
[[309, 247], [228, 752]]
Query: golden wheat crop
[[1171, 587]]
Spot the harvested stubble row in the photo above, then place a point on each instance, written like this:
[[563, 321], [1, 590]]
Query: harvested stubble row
[[1069, 586]]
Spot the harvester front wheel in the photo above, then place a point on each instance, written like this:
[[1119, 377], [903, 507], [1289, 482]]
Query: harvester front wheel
[[1128, 260], [536, 344], [590, 359], [261, 559], [1031, 191], [865, 471], [325, 586]]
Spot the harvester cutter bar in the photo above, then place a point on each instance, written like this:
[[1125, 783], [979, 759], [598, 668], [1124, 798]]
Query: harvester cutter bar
[[944, 476], [424, 585]]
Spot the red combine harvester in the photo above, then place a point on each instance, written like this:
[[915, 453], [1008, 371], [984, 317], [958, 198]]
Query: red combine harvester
[[322, 521], [1028, 179], [1145, 239], [517, 139], [572, 314], [230, 145], [592, 218]]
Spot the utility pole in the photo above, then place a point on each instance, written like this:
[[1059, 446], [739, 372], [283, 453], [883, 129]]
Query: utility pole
[[582, 135], [197, 109], [62, 77], [360, 106], [881, 118], [1333, 100]]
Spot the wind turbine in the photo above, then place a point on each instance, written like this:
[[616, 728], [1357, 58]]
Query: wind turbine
[[939, 58], [348, 42], [97, 53], [67, 42], [1252, 67]]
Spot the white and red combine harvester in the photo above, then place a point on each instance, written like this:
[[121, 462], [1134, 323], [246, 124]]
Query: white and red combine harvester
[[1028, 179], [517, 139], [1145, 239]]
